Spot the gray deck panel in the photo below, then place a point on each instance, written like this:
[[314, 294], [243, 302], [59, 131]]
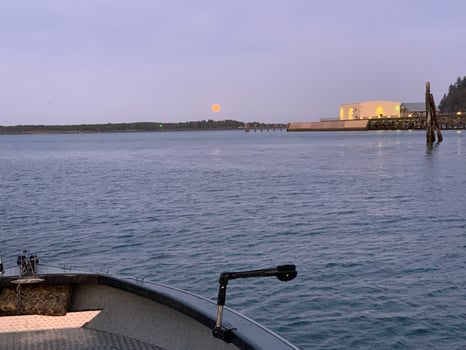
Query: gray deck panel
[[71, 339]]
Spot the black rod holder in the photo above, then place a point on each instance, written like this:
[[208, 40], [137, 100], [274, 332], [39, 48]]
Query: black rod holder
[[282, 272]]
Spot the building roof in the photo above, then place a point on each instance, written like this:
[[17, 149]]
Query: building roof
[[414, 106]]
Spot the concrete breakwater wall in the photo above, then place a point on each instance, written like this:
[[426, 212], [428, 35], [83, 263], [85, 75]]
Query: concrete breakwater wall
[[334, 125]]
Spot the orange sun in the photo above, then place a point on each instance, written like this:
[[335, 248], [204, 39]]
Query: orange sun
[[216, 108]]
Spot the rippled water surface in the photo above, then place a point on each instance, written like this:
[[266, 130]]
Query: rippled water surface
[[375, 223]]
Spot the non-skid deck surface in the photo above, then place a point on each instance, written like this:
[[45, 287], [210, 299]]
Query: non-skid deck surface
[[70, 339], [21, 323]]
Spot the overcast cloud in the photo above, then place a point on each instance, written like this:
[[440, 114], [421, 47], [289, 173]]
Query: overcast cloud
[[99, 61]]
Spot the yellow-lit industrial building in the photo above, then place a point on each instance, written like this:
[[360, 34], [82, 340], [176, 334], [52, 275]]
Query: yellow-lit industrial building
[[370, 110]]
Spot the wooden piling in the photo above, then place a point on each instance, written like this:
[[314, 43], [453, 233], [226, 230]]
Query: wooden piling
[[432, 125]]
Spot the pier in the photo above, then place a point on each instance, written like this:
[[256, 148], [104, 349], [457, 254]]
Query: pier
[[446, 121], [261, 127]]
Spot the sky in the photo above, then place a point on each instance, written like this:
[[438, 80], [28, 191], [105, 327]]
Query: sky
[[114, 61]]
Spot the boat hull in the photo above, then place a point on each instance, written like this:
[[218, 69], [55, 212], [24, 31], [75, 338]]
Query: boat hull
[[145, 314]]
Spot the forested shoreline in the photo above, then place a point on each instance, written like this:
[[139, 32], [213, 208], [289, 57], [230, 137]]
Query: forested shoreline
[[455, 100], [133, 127]]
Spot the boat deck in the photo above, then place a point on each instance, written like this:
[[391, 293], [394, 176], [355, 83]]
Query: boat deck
[[39, 332], [71, 339]]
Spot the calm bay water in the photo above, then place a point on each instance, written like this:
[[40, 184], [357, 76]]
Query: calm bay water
[[374, 221]]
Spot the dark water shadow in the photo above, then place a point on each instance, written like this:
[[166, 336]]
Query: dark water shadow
[[431, 149]]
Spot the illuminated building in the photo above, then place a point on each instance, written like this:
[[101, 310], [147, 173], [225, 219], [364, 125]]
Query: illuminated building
[[370, 110]]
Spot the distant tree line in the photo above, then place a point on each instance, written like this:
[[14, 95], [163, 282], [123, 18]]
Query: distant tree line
[[455, 100], [124, 127]]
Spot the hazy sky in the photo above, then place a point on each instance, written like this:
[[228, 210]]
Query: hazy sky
[[99, 61]]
